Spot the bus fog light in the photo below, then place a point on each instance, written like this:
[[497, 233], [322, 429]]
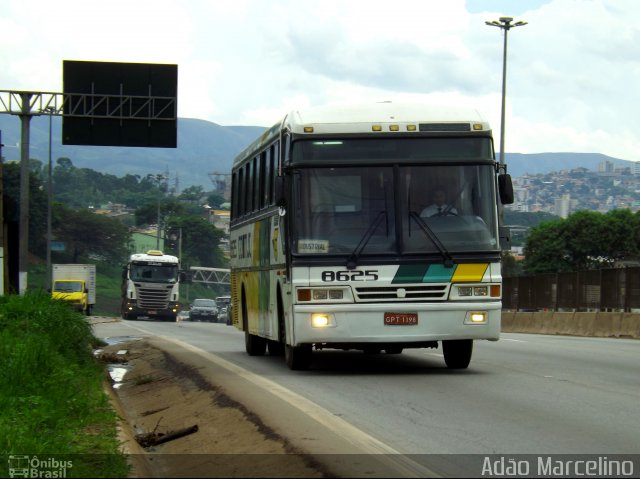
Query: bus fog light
[[477, 317], [322, 320]]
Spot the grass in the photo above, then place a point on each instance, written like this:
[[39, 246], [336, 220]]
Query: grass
[[51, 399]]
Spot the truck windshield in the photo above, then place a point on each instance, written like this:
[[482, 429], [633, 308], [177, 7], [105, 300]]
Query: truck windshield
[[67, 286], [163, 273]]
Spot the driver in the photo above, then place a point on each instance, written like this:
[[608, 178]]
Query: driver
[[439, 207]]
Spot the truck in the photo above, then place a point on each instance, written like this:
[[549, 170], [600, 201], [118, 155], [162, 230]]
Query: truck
[[150, 286], [75, 284]]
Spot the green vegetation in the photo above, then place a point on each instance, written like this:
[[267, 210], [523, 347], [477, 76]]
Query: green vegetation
[[52, 402], [90, 238], [51, 396], [585, 240]]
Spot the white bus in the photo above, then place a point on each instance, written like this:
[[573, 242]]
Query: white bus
[[333, 245]]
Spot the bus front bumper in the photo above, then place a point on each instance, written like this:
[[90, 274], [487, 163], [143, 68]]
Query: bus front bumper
[[351, 323]]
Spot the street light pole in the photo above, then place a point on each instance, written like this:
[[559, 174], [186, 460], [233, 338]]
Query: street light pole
[[505, 24]]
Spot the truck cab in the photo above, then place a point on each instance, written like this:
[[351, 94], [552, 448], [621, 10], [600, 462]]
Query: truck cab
[[75, 284]]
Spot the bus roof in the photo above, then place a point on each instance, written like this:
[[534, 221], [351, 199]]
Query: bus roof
[[359, 117], [379, 118]]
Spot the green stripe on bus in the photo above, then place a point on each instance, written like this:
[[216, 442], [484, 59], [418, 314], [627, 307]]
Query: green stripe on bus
[[438, 273], [410, 273]]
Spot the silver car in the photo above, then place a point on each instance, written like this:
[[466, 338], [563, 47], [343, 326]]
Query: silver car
[[203, 310]]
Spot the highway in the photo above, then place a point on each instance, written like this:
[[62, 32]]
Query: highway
[[525, 394]]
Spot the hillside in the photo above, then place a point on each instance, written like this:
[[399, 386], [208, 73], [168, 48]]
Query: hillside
[[205, 147]]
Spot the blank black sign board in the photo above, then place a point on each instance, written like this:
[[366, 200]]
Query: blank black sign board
[[120, 104]]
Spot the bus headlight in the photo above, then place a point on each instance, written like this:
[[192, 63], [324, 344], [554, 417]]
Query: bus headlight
[[306, 295], [465, 290], [476, 291], [322, 320]]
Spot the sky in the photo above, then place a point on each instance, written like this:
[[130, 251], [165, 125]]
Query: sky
[[573, 72]]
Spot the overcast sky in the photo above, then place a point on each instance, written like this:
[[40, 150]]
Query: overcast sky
[[573, 78]]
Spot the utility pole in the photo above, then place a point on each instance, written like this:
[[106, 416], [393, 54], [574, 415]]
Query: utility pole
[[50, 111], [2, 236], [23, 259]]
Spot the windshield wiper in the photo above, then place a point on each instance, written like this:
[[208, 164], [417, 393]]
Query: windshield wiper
[[353, 258], [448, 260]]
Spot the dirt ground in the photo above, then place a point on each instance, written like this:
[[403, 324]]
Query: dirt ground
[[159, 396]]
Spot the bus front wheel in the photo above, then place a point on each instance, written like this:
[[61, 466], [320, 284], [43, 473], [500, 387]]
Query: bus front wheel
[[457, 353], [298, 358], [254, 345]]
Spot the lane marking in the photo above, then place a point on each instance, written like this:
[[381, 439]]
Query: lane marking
[[368, 444]]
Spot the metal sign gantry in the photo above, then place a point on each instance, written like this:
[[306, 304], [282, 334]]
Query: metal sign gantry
[[202, 274], [83, 105], [27, 104]]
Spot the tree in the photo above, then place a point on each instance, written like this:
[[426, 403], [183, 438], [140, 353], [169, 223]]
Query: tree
[[510, 266], [89, 236], [192, 194], [585, 240], [148, 213], [200, 241], [215, 200], [37, 205], [544, 250]]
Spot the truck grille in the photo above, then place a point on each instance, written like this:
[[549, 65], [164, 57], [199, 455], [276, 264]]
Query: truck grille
[[154, 298], [402, 294]]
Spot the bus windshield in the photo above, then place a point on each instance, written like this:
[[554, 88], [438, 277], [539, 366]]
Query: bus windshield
[[411, 209], [157, 273]]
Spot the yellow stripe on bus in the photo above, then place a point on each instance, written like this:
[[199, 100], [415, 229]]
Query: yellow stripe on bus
[[469, 273]]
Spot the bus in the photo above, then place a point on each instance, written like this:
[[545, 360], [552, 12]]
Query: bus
[[330, 246]]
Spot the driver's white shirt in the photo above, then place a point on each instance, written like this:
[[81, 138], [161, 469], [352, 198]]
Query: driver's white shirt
[[435, 209]]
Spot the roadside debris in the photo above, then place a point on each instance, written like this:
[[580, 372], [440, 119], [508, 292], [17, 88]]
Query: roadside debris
[[154, 438]]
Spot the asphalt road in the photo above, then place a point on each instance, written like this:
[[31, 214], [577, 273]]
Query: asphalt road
[[525, 394]]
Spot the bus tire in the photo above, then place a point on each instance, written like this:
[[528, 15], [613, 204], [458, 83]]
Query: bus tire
[[457, 353], [275, 348], [298, 358], [254, 345]]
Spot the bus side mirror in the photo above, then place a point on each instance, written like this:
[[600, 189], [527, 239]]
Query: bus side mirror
[[278, 191], [505, 189]]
